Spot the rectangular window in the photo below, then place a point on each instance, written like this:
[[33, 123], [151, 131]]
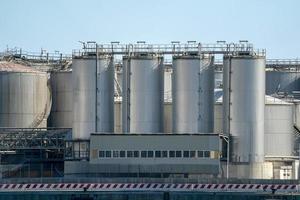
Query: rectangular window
[[129, 154], [101, 154], [193, 154], [200, 154], [157, 154], [150, 154], [107, 154], [116, 154], [164, 154], [143, 154], [207, 154], [186, 154], [178, 154], [172, 154], [136, 154], [122, 154]]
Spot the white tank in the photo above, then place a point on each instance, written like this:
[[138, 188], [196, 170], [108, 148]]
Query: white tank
[[93, 92], [243, 103], [25, 98], [193, 94], [143, 94]]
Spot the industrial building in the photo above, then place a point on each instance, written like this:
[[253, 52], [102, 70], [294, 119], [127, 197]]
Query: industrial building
[[127, 111]]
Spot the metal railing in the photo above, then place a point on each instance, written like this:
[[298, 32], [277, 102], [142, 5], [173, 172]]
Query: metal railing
[[42, 56], [92, 48]]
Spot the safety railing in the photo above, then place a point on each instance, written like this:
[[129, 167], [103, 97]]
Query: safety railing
[[173, 48]]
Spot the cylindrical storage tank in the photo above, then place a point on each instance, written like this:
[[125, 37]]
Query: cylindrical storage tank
[[279, 132], [143, 94], [93, 95], [282, 81], [25, 98], [61, 114], [193, 94], [243, 106]]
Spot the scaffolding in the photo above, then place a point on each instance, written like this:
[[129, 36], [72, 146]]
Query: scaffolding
[[32, 152]]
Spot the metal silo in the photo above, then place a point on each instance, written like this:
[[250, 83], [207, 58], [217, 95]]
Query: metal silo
[[143, 94], [193, 94], [25, 98], [62, 99], [93, 92], [243, 114]]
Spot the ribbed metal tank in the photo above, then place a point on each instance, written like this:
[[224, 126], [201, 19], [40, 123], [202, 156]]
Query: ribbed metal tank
[[93, 95], [25, 98], [282, 81], [143, 94], [193, 94], [243, 104], [279, 133], [61, 114]]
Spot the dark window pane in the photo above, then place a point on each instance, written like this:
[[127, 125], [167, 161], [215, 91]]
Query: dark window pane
[[143, 154], [164, 154], [101, 154], [129, 154], [116, 154], [200, 154], [171, 154], [136, 154], [178, 154], [150, 154], [192, 154], [186, 154], [157, 154], [207, 154], [122, 154], [107, 154]]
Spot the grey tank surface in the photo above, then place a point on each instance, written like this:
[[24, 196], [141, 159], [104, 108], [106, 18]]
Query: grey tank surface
[[193, 94], [279, 122], [279, 132], [25, 98], [143, 94], [61, 114], [93, 95], [243, 103]]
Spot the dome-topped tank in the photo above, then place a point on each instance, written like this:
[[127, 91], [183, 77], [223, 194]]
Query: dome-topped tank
[[25, 98]]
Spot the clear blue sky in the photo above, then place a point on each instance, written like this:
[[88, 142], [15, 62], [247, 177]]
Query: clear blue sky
[[60, 24]]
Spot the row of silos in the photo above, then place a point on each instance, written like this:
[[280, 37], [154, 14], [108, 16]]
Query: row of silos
[[142, 94]]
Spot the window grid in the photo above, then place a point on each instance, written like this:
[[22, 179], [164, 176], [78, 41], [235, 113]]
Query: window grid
[[158, 154]]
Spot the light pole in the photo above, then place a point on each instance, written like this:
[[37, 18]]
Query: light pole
[[226, 139]]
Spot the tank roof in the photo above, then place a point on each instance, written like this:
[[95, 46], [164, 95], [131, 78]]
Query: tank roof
[[14, 67]]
